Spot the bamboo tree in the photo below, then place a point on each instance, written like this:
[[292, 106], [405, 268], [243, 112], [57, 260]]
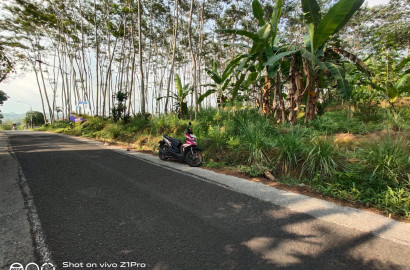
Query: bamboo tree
[[193, 59], [140, 53], [173, 54]]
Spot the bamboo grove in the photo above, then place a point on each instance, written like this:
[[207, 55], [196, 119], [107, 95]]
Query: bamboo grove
[[114, 58]]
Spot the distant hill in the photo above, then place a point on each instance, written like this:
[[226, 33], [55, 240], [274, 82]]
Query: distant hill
[[14, 117]]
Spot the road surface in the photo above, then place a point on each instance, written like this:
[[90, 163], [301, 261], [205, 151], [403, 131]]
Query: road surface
[[101, 208]]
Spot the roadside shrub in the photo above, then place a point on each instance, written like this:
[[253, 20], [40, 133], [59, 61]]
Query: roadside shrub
[[94, 124], [405, 113], [290, 149], [214, 142], [389, 161], [397, 120], [321, 159], [367, 103], [390, 200], [74, 129], [6, 125], [338, 121], [256, 135], [168, 124], [112, 131], [206, 118], [139, 123], [61, 124], [395, 200]]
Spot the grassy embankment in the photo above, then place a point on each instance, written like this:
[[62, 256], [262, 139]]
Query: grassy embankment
[[361, 159]]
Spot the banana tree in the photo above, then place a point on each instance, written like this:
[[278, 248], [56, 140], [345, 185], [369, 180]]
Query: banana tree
[[182, 92], [221, 81], [320, 29], [264, 42], [118, 111], [181, 105], [312, 63], [391, 80]]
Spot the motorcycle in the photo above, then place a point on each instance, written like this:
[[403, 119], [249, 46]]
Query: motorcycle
[[189, 151]]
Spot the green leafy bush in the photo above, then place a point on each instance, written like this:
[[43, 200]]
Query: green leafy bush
[[338, 121], [389, 161], [112, 131], [139, 123], [7, 125], [95, 124], [321, 159], [290, 149], [366, 102], [168, 124]]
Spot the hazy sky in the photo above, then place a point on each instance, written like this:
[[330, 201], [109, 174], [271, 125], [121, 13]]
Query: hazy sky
[[23, 87]]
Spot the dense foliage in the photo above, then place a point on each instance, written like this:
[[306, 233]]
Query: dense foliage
[[287, 58], [3, 98], [34, 119]]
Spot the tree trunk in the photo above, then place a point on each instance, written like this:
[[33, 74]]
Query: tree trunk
[[193, 59], [41, 94], [142, 87], [173, 58], [278, 86], [46, 95], [267, 91], [200, 47], [97, 64], [133, 58], [295, 88], [311, 93]]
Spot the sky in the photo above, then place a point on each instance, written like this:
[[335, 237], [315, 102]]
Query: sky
[[23, 91]]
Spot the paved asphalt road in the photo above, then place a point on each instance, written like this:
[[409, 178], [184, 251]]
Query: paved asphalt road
[[97, 205]]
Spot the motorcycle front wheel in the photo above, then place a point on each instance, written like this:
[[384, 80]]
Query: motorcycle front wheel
[[194, 158]]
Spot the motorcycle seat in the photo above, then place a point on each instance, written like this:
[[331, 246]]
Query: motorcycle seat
[[175, 142]]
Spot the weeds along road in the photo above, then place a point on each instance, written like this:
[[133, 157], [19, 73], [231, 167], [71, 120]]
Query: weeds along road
[[100, 206]]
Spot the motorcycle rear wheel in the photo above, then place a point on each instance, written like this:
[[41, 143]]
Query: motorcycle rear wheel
[[161, 153], [194, 158]]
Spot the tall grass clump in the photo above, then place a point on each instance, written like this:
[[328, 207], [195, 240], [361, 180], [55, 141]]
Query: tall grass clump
[[168, 124], [290, 149], [92, 126], [389, 161], [338, 121], [257, 138], [256, 135], [215, 143], [397, 120], [209, 117], [321, 159], [112, 131], [7, 125], [95, 123], [138, 124]]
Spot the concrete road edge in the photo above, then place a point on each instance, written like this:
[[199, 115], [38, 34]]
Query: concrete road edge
[[16, 244]]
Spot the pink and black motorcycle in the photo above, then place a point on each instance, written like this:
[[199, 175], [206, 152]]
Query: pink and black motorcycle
[[188, 152]]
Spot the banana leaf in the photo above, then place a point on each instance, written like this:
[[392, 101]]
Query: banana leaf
[[258, 12]]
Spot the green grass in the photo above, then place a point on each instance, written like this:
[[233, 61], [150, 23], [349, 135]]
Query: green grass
[[389, 161]]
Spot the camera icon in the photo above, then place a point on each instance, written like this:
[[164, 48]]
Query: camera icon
[[32, 266], [16, 266]]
